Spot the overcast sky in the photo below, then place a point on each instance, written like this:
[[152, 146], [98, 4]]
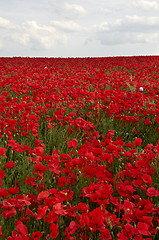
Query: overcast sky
[[66, 28]]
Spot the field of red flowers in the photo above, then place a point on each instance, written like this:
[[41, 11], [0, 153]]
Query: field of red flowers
[[79, 148]]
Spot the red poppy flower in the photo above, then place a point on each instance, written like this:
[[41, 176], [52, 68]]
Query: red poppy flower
[[105, 234], [1, 234], [130, 145], [38, 151], [152, 192], [21, 228], [3, 193], [84, 219], [36, 235], [51, 217], [107, 157], [143, 228], [147, 179], [29, 212], [54, 230], [138, 142], [72, 143], [72, 227], [41, 212], [62, 181], [2, 151], [13, 190], [10, 212], [97, 151], [9, 164], [147, 121], [43, 195], [24, 219], [40, 168], [82, 207], [30, 181], [2, 175], [129, 230], [58, 209], [11, 143], [147, 219]]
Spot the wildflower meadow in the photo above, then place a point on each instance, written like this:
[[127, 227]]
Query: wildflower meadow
[[79, 148]]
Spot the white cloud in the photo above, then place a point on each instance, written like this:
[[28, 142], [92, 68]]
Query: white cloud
[[152, 38], [33, 35], [153, 20], [5, 23], [104, 26], [23, 39], [63, 27], [141, 24], [69, 26], [146, 5], [74, 10], [134, 23], [105, 10], [116, 38], [35, 28], [128, 30]]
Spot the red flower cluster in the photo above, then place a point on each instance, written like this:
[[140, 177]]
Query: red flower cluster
[[79, 148]]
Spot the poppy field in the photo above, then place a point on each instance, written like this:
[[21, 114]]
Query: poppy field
[[79, 148]]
